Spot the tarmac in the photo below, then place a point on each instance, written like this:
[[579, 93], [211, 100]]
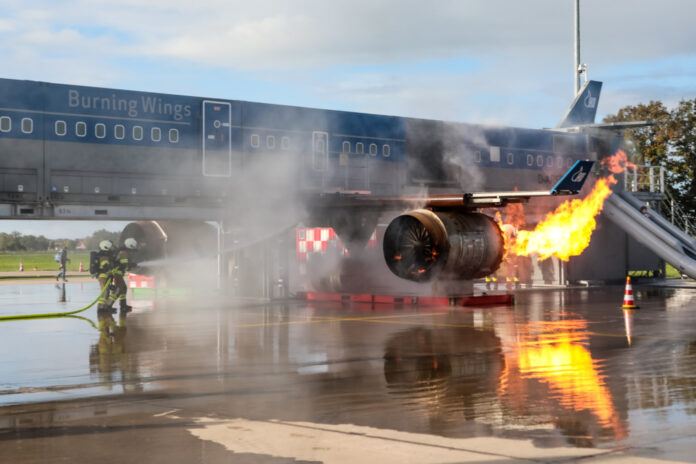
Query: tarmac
[[563, 375]]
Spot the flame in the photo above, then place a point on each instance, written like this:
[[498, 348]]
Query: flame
[[566, 232], [397, 257], [556, 353], [618, 162]]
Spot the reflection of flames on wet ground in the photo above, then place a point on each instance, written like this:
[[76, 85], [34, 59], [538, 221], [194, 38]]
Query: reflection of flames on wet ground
[[556, 354], [534, 373]]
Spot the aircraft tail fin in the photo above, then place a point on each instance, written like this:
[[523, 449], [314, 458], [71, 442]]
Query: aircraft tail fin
[[584, 107], [572, 181]]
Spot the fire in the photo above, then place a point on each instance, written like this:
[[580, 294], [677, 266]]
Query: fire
[[617, 163], [566, 232]]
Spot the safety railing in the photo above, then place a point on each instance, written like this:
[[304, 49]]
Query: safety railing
[[644, 178], [669, 209]]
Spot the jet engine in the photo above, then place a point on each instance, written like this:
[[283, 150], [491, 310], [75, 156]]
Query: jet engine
[[422, 244]]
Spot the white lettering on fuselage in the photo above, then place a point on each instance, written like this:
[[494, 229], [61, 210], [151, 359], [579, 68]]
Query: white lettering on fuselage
[[133, 107]]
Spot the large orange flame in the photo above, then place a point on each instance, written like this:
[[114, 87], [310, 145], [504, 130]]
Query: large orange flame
[[566, 232], [618, 162]]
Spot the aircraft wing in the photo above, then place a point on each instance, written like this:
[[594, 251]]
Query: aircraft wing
[[570, 184]]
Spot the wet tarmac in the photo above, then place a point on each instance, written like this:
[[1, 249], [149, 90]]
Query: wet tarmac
[[561, 375]]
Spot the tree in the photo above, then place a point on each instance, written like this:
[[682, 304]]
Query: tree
[[11, 242], [92, 242], [682, 162], [670, 143], [34, 243], [649, 144]]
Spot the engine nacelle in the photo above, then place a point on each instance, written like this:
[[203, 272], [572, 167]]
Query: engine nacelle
[[422, 244], [174, 242]]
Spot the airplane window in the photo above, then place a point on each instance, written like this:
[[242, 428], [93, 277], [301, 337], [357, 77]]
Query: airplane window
[[174, 135], [100, 130], [156, 134], [137, 132], [80, 129], [255, 140], [386, 150], [346, 147], [270, 142], [5, 124], [530, 159], [540, 160], [119, 131], [27, 125], [359, 147], [510, 158], [373, 149], [285, 143], [61, 128], [477, 156]]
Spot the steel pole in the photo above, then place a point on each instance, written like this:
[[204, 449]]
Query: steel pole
[[576, 70]]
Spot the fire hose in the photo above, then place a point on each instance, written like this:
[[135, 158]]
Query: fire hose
[[63, 314]]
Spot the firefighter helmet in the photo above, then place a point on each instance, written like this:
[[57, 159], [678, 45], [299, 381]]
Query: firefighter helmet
[[106, 245], [130, 243]]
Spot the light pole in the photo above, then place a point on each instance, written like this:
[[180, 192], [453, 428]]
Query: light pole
[[576, 66]]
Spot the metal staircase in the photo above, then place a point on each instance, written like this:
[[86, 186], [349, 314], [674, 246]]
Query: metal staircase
[[647, 184]]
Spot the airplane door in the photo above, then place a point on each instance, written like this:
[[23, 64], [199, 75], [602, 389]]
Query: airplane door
[[217, 139], [320, 151], [317, 163]]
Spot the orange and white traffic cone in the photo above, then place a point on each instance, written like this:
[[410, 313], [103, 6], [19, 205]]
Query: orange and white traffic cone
[[628, 302], [21, 266], [81, 269]]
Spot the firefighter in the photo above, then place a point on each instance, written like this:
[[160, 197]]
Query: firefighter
[[122, 262], [104, 263]]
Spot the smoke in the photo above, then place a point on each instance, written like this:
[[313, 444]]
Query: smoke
[[445, 155]]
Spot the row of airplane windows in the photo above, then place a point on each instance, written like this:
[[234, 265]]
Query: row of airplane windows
[[320, 146], [360, 149], [61, 129], [531, 159]]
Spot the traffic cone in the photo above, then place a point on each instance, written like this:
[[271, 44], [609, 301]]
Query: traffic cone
[[21, 266], [628, 302], [81, 269]]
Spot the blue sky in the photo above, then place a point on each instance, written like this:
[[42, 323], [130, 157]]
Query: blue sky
[[486, 61]]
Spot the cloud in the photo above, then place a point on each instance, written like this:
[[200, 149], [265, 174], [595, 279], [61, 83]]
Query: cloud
[[522, 48]]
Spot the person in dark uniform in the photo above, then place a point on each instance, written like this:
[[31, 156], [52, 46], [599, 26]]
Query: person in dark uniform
[[63, 260]]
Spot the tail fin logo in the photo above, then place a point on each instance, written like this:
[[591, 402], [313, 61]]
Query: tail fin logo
[[590, 101], [579, 176]]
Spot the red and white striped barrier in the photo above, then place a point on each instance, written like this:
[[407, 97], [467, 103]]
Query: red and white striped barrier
[[140, 281]]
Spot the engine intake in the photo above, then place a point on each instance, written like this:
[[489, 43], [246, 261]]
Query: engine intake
[[422, 244]]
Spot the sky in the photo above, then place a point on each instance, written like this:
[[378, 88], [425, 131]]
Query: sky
[[481, 61]]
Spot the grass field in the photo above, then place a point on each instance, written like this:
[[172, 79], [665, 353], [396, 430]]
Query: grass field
[[41, 261], [671, 272]]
